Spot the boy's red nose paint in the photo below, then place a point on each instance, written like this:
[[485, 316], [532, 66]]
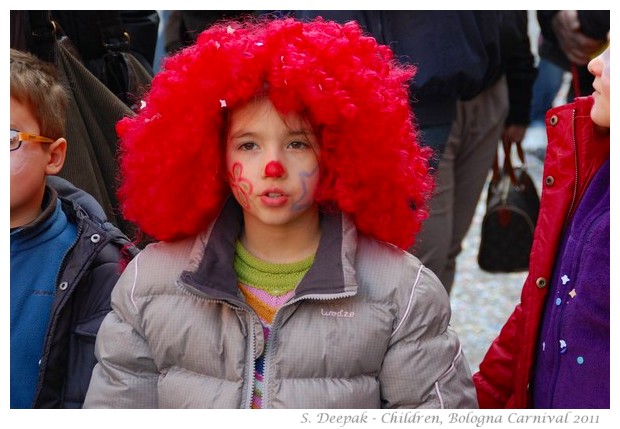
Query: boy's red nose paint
[[274, 169]]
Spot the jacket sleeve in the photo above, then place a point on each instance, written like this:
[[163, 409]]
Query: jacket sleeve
[[424, 366], [495, 379], [593, 23], [126, 375], [518, 65]]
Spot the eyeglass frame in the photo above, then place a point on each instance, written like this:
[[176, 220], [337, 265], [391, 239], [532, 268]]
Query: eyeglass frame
[[23, 136]]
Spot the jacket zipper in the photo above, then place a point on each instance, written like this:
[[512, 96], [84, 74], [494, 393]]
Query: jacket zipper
[[560, 313], [572, 203], [558, 316], [252, 364]]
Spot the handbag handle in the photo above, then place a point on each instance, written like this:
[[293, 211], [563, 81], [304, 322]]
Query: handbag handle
[[507, 168]]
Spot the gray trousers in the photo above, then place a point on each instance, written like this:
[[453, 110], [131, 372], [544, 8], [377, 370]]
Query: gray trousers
[[460, 178]]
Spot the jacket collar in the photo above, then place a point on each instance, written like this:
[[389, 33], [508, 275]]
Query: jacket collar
[[577, 142], [333, 273], [48, 206]]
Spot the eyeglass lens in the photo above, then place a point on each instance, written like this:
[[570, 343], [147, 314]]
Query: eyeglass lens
[[15, 142]]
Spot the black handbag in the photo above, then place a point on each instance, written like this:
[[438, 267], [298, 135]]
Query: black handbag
[[508, 225]]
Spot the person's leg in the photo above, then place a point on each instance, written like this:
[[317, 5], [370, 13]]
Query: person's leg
[[484, 117], [546, 86], [160, 48], [435, 137], [433, 241]]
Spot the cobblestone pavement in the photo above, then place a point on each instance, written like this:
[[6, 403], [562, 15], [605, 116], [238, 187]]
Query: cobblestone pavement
[[481, 301]]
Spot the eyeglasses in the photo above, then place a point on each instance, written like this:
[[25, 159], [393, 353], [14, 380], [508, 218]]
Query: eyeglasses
[[17, 137]]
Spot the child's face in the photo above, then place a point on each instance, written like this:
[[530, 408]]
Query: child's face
[[599, 67], [272, 164], [29, 166]]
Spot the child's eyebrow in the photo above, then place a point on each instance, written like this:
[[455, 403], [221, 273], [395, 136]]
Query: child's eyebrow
[[302, 132], [251, 134], [243, 134]]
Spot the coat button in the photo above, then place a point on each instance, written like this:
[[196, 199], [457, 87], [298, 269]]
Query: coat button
[[549, 180], [553, 120], [95, 238], [541, 282], [63, 286]]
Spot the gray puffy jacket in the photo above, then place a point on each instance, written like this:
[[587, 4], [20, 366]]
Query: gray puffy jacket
[[368, 327]]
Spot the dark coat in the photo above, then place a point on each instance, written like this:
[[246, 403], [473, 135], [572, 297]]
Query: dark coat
[[517, 64], [86, 278], [457, 53]]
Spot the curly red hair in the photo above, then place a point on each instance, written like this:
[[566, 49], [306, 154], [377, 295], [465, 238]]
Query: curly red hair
[[351, 89]]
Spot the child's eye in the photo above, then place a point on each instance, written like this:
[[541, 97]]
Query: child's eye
[[248, 146], [298, 145]]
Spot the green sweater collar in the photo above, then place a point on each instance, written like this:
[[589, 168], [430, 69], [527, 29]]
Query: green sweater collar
[[275, 279]]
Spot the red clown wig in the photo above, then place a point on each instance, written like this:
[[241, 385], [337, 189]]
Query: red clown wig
[[350, 88]]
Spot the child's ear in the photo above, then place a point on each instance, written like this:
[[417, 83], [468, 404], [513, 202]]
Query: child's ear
[[57, 153]]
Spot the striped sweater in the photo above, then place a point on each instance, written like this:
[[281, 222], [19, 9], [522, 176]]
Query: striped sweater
[[266, 287]]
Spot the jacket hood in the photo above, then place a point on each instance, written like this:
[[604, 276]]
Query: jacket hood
[[86, 201]]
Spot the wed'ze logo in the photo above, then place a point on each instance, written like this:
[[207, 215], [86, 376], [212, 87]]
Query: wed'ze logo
[[340, 313]]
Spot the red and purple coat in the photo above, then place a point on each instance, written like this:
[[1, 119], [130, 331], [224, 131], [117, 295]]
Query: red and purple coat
[[575, 151]]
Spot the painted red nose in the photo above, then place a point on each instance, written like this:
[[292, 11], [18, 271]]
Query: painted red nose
[[274, 169]]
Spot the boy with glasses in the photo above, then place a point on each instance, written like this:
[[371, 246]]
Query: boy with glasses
[[64, 254]]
